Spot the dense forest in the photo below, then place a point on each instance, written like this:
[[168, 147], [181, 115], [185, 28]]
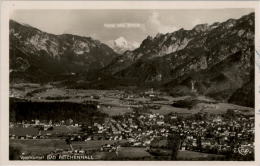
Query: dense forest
[[22, 110]]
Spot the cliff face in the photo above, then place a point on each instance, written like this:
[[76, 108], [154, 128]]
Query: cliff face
[[34, 53], [213, 60]]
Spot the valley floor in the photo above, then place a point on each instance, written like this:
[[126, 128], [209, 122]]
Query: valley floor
[[116, 102], [138, 126]]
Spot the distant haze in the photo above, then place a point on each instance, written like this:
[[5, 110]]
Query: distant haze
[[132, 25]]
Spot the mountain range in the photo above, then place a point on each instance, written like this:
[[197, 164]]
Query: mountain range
[[214, 60], [36, 55]]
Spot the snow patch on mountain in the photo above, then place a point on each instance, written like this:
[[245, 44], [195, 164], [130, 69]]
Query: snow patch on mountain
[[120, 45]]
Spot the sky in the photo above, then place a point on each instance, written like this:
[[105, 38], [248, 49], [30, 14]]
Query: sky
[[133, 25]]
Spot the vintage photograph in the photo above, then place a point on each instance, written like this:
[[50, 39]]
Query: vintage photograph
[[126, 84]]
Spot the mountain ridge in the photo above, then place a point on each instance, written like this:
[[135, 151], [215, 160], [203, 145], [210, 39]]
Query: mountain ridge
[[215, 60], [64, 53], [222, 52]]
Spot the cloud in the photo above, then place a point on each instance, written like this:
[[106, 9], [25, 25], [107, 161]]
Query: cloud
[[156, 26]]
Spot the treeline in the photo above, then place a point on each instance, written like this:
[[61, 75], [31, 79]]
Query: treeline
[[22, 110]]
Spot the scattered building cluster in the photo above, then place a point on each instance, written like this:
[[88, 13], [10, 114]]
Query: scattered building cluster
[[207, 133]]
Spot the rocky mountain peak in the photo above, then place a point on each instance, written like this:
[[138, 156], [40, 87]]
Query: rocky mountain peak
[[217, 59], [201, 27], [121, 45], [66, 53]]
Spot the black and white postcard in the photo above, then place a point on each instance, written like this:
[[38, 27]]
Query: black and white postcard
[[130, 81]]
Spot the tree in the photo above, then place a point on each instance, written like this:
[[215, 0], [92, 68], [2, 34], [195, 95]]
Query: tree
[[14, 153], [173, 143], [199, 146], [230, 113], [68, 142]]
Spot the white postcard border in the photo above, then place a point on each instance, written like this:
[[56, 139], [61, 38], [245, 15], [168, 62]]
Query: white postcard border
[[8, 6]]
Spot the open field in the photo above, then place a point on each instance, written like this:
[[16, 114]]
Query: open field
[[116, 110], [112, 103], [190, 155], [125, 153], [139, 153], [133, 152], [44, 146]]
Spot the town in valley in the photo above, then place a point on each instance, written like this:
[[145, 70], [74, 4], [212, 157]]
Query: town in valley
[[165, 88], [139, 126]]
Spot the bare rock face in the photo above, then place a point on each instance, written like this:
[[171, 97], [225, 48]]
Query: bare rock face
[[50, 55], [218, 58]]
